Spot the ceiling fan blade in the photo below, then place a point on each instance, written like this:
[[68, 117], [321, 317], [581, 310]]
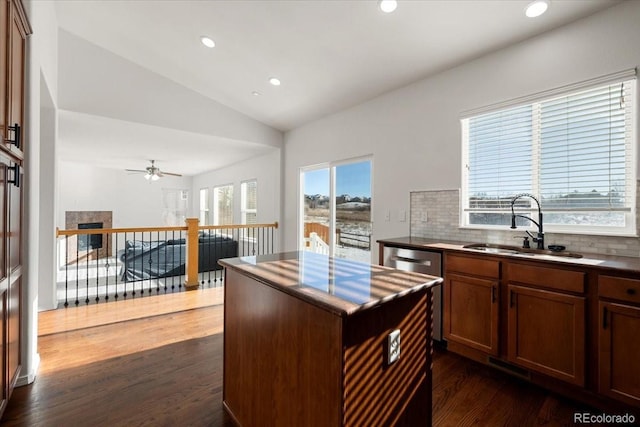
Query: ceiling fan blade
[[172, 174], [136, 170]]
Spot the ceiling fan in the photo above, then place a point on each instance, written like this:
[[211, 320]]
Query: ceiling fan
[[152, 172]]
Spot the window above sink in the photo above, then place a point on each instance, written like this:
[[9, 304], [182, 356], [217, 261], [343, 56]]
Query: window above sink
[[574, 149]]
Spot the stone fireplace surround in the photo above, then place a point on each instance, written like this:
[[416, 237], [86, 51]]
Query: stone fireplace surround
[[73, 219]]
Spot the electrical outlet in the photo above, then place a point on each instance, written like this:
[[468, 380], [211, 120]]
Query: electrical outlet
[[402, 215], [393, 346], [423, 216]]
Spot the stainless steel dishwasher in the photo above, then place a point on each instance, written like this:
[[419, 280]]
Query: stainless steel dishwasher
[[420, 261]]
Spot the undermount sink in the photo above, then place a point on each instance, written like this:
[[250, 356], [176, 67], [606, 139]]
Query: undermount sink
[[515, 250]]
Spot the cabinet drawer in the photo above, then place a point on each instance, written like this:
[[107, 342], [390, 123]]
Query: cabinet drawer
[[554, 278], [474, 266], [620, 288]]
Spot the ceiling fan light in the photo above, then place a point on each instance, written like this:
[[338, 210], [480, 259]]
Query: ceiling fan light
[[147, 176], [207, 41], [155, 177], [536, 8]]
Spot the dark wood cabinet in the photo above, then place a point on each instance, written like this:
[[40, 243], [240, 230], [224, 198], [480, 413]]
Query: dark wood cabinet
[[546, 332], [472, 317], [15, 29], [471, 302], [618, 343], [14, 75], [546, 323]]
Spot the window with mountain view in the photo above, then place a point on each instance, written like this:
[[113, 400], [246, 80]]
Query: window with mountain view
[[575, 152]]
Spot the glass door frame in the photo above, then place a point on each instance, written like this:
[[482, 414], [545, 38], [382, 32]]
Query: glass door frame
[[331, 166]]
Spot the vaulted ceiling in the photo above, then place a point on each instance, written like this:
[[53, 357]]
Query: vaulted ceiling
[[136, 83]]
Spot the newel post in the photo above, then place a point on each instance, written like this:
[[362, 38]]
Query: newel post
[[191, 274]]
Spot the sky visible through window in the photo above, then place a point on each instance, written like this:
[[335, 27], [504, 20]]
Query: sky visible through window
[[353, 179]]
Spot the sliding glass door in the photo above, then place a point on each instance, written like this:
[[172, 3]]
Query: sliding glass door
[[335, 205]]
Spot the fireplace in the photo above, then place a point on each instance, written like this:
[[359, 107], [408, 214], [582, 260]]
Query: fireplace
[[84, 247], [89, 241]]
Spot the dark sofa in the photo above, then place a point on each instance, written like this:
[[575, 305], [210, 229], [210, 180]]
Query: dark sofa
[[157, 259]]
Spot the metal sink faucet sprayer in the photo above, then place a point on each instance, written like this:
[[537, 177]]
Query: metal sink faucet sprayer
[[539, 239]]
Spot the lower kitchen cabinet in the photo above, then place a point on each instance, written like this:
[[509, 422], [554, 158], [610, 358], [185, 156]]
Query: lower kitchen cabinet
[[618, 340], [546, 332], [472, 317], [471, 302]]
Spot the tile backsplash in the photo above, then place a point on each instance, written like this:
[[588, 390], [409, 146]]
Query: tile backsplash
[[441, 210]]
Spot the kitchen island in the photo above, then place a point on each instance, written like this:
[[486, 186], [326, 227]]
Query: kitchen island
[[311, 340]]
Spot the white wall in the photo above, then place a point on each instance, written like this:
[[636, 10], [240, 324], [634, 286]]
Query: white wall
[[414, 132], [265, 169], [39, 246], [134, 201]]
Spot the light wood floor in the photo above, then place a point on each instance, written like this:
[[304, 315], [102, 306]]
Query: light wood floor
[[157, 361]]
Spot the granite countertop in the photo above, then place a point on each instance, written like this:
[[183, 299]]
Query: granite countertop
[[605, 262], [338, 285]]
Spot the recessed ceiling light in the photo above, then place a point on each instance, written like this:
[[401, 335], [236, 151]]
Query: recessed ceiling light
[[207, 41], [387, 6], [274, 81], [537, 8], [256, 93]]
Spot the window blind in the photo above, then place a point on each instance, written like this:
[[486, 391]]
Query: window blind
[[584, 141], [573, 151]]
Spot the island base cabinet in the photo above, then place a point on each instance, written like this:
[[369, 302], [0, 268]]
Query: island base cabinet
[[289, 362], [278, 352], [619, 343], [546, 332], [376, 393]]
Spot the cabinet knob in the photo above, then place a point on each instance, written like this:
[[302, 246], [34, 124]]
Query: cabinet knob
[[631, 291]]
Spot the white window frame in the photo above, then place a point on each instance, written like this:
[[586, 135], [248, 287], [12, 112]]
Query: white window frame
[[243, 201], [214, 199], [630, 228], [204, 211], [331, 166]]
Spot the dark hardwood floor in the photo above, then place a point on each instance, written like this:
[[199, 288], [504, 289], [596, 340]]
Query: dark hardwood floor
[[157, 361]]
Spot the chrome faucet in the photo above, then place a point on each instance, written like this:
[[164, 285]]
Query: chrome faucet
[[539, 239]]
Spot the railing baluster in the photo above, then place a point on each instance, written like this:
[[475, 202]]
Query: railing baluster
[[66, 272], [97, 276], [106, 268], [116, 266], [86, 275]]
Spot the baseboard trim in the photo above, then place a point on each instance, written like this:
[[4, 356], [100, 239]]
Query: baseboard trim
[[30, 377]]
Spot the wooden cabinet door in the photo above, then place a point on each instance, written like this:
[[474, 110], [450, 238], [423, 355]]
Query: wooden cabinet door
[[14, 215], [619, 350], [546, 332], [4, 391], [13, 313], [16, 76], [471, 312], [4, 232], [4, 20]]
